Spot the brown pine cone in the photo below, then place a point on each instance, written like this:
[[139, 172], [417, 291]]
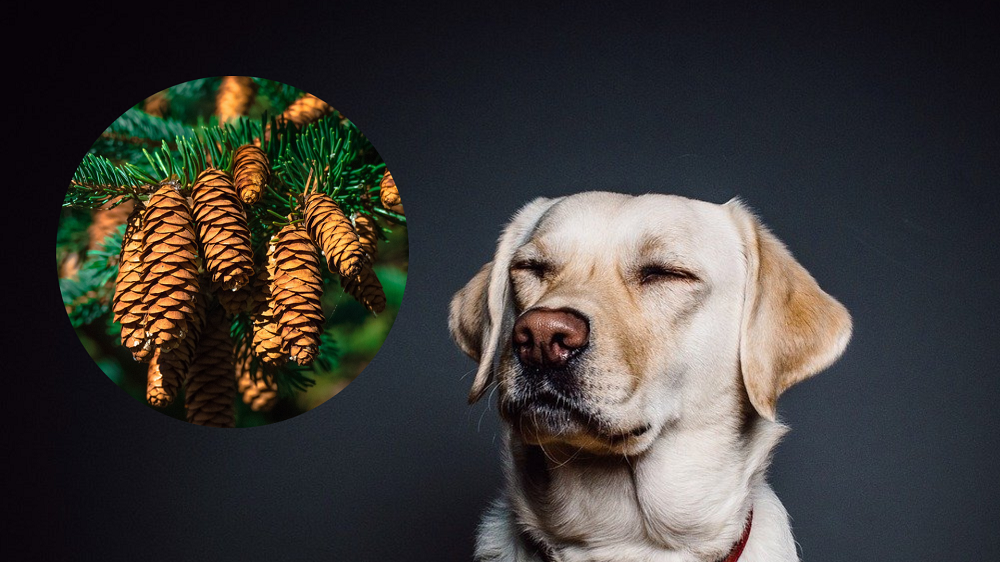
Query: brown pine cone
[[106, 221], [211, 382], [366, 229], [266, 337], [127, 304], [170, 269], [251, 171], [168, 369], [267, 340], [333, 232], [258, 393], [389, 193], [366, 289], [234, 97], [260, 291], [234, 302], [306, 109], [296, 288], [157, 105], [69, 267], [222, 229]]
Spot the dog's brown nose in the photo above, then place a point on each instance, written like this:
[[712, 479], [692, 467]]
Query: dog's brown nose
[[546, 337]]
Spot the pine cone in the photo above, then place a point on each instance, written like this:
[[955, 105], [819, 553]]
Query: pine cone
[[267, 340], [168, 369], [157, 105], [266, 337], [234, 302], [170, 269], [389, 193], [222, 229], [259, 394], [234, 97], [306, 109], [106, 221], [366, 289], [334, 233], [211, 384], [69, 266], [296, 288], [260, 291], [252, 172], [366, 229], [127, 304]]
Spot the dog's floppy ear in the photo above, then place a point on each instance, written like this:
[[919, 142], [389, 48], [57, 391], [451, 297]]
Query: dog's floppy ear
[[467, 315], [791, 328], [481, 312]]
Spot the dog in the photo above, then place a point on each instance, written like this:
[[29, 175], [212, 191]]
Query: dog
[[637, 346]]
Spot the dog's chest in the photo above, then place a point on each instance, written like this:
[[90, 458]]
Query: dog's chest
[[594, 505], [661, 506]]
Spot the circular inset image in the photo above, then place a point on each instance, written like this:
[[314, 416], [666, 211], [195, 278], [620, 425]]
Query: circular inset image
[[232, 251]]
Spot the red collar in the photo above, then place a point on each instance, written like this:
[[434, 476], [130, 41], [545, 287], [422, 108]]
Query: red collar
[[737, 550]]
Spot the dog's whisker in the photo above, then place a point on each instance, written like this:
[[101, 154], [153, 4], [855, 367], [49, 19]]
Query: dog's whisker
[[467, 373]]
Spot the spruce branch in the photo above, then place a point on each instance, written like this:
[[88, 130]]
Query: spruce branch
[[88, 297], [278, 95], [97, 181], [140, 128], [387, 213]]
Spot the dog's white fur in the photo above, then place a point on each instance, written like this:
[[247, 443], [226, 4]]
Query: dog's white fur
[[699, 358]]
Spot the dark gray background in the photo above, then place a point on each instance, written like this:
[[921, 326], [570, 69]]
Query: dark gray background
[[867, 139]]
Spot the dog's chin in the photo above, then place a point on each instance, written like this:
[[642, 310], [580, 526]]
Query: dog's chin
[[549, 421]]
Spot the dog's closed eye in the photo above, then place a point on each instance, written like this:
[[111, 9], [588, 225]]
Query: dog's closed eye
[[656, 273], [531, 266]]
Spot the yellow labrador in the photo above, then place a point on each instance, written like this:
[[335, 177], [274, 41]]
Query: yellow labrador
[[638, 346]]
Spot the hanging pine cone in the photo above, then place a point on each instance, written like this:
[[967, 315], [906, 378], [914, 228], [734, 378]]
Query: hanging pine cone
[[170, 269], [106, 220], [306, 109], [168, 369], [157, 105], [211, 382], [267, 340], [69, 266], [127, 304], [296, 288], [258, 393], [389, 193], [334, 233], [251, 171], [260, 291], [266, 337], [234, 302], [222, 229], [366, 289], [365, 227], [234, 97]]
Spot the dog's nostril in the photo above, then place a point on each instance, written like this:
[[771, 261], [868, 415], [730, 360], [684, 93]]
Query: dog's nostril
[[549, 337], [522, 335]]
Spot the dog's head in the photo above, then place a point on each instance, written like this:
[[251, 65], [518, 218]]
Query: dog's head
[[605, 317]]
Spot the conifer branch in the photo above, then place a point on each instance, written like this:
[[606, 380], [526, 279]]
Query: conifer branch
[[140, 153]]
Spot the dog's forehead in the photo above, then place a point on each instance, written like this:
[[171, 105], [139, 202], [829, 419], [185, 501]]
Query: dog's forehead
[[603, 218]]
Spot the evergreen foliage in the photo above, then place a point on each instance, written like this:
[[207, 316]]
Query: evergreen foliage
[[139, 152]]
